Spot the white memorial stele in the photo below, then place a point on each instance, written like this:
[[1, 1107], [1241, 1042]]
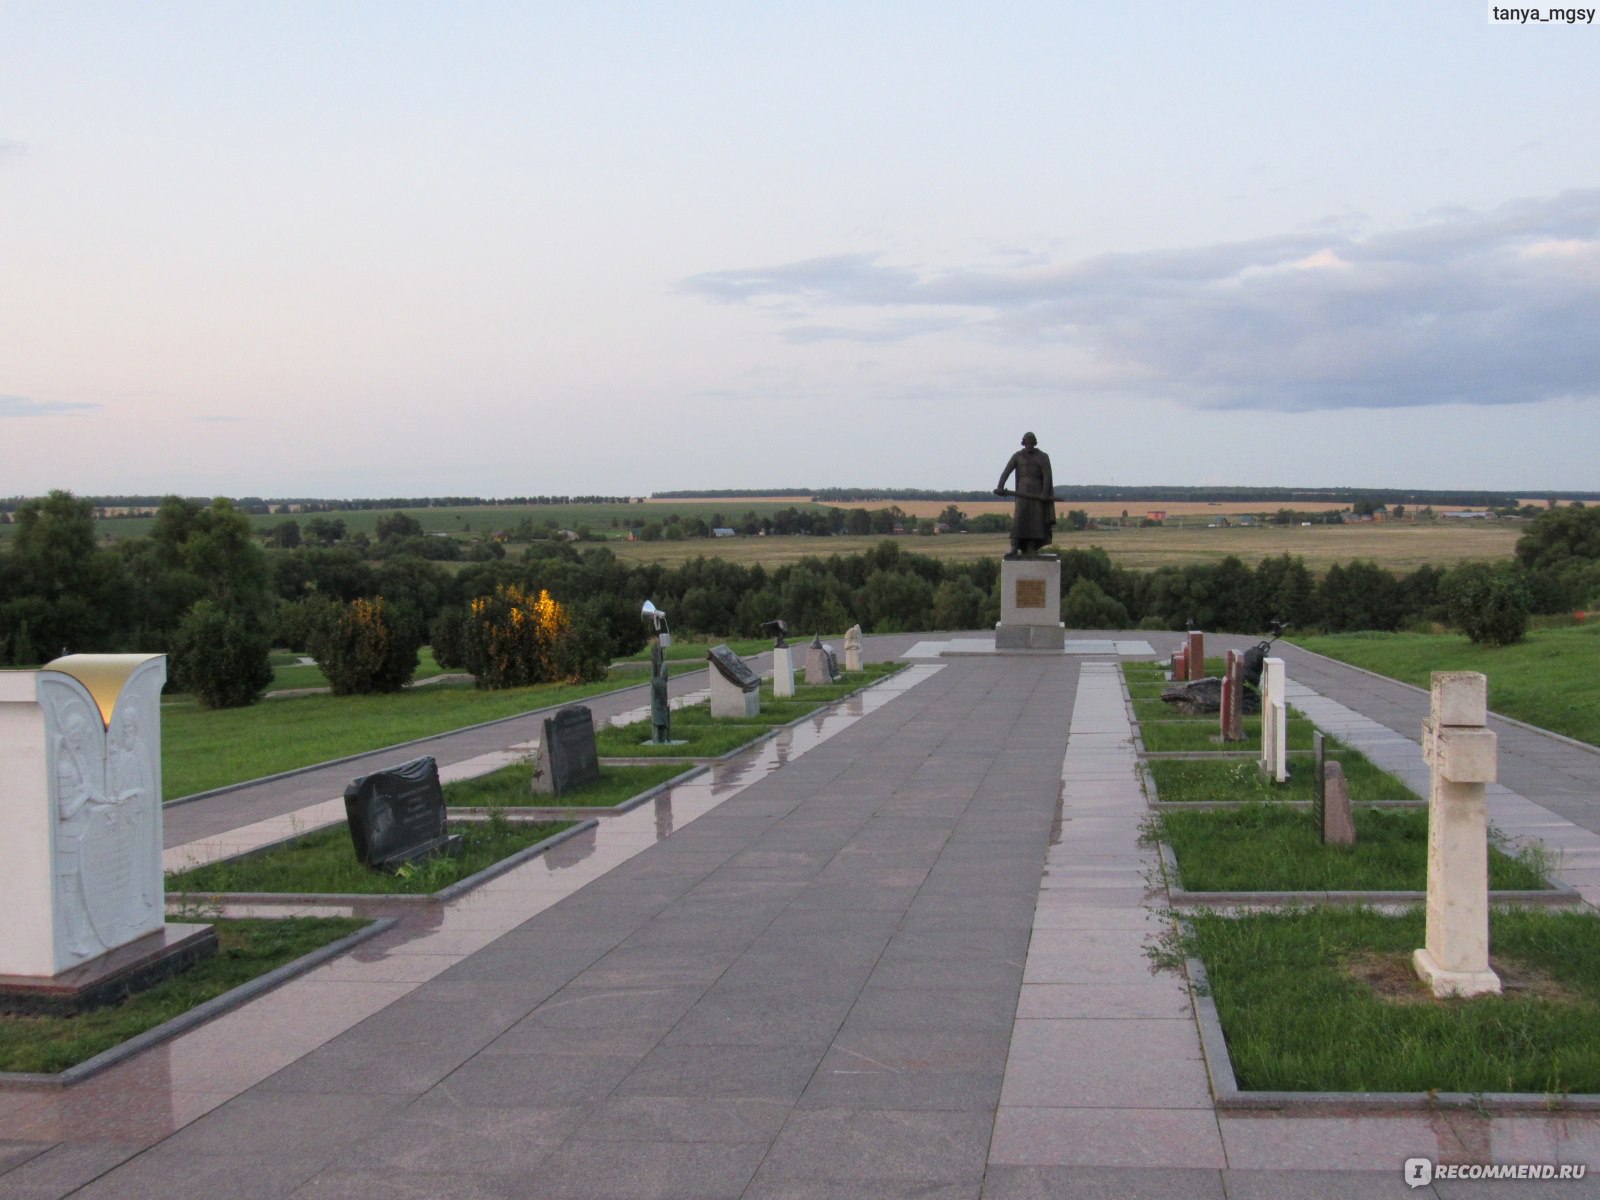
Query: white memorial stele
[[782, 672], [1464, 757], [80, 810], [852, 648], [1274, 721]]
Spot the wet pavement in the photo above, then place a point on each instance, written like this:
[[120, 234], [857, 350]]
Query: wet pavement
[[896, 951]]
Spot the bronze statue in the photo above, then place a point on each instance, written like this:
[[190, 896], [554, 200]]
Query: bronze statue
[[1033, 511]]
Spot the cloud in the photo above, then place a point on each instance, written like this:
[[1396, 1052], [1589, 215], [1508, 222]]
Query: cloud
[[1486, 308], [21, 406]]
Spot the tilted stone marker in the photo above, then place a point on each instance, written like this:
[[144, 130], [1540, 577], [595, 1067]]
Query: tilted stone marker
[[568, 758], [735, 688], [852, 648], [1463, 755], [1274, 722], [82, 891], [398, 816], [1231, 716]]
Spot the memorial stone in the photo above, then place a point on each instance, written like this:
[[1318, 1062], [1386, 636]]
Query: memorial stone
[[1319, 778], [1232, 705], [852, 648], [1274, 722], [1338, 825], [1194, 655], [397, 815], [782, 672], [1463, 756], [80, 817], [568, 758], [735, 688], [819, 668]]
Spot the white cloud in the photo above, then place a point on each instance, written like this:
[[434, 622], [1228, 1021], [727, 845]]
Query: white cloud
[[21, 406], [1490, 308]]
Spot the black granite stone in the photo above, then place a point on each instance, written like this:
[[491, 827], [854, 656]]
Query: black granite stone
[[733, 668], [398, 816], [567, 755]]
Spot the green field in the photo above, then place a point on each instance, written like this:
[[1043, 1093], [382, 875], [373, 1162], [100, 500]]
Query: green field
[[1552, 680]]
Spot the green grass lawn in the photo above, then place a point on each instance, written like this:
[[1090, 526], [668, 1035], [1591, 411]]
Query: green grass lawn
[[204, 748], [1551, 680], [288, 672], [1325, 1000], [1160, 737], [326, 862], [246, 950], [1269, 848], [692, 739], [512, 787], [1178, 780]]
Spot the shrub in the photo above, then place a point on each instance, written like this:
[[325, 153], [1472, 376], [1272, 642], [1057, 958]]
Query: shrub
[[365, 646], [1488, 604], [513, 639], [221, 656], [1086, 606], [448, 637]]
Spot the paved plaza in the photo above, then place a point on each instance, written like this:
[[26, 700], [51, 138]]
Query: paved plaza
[[898, 951]]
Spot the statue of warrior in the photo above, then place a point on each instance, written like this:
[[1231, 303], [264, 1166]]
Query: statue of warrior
[[1033, 511]]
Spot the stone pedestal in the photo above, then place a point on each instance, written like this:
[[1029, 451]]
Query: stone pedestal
[[730, 699], [80, 814], [1463, 755], [1274, 722], [1030, 604], [782, 672], [1194, 654]]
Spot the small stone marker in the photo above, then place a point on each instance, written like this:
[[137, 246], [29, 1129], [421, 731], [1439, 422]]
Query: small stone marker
[[1194, 656], [1463, 755], [398, 816], [1338, 825], [852, 648], [568, 758], [1319, 778], [1180, 668], [1274, 722], [782, 672], [821, 665], [735, 688]]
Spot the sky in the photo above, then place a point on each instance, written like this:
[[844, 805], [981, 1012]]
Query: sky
[[348, 249]]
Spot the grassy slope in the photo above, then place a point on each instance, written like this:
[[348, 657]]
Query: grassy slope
[[1552, 680]]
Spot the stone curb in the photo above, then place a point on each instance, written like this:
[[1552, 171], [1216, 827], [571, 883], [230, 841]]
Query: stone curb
[[198, 1015]]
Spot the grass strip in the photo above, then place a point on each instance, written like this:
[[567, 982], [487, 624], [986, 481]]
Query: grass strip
[[512, 787], [1180, 781], [246, 950], [325, 861], [1325, 999], [1162, 737], [690, 739], [1269, 848], [1548, 680], [203, 748]]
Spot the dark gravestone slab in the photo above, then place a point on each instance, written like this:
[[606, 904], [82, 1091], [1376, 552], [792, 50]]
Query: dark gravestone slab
[[397, 815], [567, 755], [733, 668]]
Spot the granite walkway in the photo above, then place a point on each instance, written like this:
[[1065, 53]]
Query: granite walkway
[[900, 953]]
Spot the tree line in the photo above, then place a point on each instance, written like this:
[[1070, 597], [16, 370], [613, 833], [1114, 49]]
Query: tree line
[[202, 588]]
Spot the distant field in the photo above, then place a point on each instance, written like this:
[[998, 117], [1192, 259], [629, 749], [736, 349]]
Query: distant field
[[1400, 547], [1095, 508]]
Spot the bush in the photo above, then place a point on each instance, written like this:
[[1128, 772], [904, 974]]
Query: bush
[[514, 639], [365, 646], [448, 637], [221, 656], [1488, 604], [295, 623]]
